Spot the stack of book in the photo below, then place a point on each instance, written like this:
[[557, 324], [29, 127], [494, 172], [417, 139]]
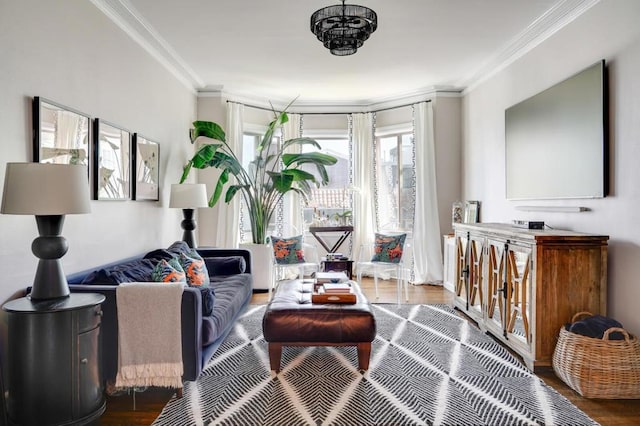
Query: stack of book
[[331, 277], [334, 293]]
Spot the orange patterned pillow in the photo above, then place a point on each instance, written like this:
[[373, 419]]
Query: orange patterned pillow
[[194, 268], [168, 272]]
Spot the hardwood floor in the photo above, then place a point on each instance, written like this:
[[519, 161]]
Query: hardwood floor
[[149, 404]]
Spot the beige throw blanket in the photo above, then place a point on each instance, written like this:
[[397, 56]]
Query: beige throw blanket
[[149, 336]]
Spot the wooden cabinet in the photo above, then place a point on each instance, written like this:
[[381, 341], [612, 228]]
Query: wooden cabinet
[[54, 373], [522, 285]]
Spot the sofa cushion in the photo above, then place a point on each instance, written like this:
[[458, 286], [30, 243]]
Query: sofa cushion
[[230, 293], [168, 272], [178, 247], [208, 296], [194, 268], [138, 270], [388, 248], [226, 265], [159, 254], [288, 251]]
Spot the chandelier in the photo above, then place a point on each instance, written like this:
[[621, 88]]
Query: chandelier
[[343, 28]]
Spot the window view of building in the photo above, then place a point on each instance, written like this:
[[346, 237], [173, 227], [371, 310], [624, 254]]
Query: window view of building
[[395, 182]]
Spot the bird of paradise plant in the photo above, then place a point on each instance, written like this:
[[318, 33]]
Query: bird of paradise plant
[[274, 172]]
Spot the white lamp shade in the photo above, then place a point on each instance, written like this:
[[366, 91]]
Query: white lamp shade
[[188, 196], [45, 189]]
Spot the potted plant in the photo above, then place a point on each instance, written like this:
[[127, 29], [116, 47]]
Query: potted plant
[[274, 172]]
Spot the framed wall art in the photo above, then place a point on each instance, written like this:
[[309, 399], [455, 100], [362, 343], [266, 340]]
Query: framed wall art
[[471, 211], [112, 170], [61, 134], [145, 169]]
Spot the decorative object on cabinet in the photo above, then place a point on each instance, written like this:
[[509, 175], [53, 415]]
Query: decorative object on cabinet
[[112, 171], [188, 196], [145, 168], [54, 375], [48, 191], [598, 367], [61, 135], [471, 211], [456, 212], [516, 283]]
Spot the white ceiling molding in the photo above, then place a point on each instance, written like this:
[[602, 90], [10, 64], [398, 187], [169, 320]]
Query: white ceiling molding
[[541, 29], [131, 21], [125, 16]]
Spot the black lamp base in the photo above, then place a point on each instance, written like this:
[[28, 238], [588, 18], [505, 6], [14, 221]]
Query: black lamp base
[[50, 281], [188, 225]]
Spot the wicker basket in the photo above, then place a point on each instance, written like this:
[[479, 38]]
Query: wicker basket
[[599, 368]]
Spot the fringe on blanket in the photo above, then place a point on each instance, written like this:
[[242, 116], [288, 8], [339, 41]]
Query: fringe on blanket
[[166, 375]]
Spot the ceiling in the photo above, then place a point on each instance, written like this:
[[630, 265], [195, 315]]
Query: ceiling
[[264, 50]]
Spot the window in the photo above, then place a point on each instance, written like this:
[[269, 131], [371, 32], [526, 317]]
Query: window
[[331, 202], [395, 182]]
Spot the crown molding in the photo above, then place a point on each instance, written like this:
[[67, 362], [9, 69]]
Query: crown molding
[[552, 21], [125, 16]]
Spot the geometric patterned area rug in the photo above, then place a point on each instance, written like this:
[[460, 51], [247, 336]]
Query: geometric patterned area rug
[[428, 366]]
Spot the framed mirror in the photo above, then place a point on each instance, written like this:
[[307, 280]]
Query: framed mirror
[[61, 134], [112, 170], [146, 169]]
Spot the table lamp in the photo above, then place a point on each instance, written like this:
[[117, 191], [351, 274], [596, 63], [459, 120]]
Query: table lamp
[[188, 196], [48, 191]]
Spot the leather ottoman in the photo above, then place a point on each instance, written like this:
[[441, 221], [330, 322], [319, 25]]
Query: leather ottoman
[[292, 320]]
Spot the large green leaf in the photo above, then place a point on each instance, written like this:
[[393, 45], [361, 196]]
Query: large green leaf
[[309, 157], [300, 175], [207, 128], [203, 156], [222, 180], [231, 192], [300, 142], [281, 181], [185, 172]]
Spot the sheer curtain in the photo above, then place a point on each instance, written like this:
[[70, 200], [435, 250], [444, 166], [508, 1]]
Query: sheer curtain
[[292, 204], [363, 180], [426, 229], [228, 226]]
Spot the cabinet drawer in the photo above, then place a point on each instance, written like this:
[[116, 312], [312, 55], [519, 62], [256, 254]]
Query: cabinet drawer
[[89, 318]]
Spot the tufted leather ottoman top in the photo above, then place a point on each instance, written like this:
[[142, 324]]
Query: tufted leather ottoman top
[[291, 317]]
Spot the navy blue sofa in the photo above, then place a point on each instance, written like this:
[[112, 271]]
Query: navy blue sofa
[[207, 317]]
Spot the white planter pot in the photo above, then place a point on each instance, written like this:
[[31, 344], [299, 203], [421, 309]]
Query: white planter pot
[[261, 264]]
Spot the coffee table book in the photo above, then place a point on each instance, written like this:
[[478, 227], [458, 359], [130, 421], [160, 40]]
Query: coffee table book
[[322, 297]]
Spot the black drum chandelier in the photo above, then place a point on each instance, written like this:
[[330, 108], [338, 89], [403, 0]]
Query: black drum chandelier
[[343, 28]]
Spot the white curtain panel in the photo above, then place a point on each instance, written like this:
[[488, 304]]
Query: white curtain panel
[[228, 224], [292, 201], [426, 229], [363, 180]]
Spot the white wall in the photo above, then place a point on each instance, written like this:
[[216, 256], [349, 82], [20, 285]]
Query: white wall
[[609, 31], [70, 52]]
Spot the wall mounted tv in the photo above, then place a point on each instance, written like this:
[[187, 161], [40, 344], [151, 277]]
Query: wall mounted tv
[[556, 141]]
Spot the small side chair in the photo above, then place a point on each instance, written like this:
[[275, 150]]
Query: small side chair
[[291, 253], [382, 258]]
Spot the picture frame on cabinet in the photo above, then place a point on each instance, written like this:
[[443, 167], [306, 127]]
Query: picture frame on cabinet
[[145, 167], [471, 211], [112, 161], [61, 135]]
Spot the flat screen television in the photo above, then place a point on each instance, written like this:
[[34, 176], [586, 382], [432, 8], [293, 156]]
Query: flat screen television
[[556, 141]]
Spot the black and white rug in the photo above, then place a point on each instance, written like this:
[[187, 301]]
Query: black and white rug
[[428, 366]]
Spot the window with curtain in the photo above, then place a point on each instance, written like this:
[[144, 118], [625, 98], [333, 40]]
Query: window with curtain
[[395, 182], [330, 202]]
